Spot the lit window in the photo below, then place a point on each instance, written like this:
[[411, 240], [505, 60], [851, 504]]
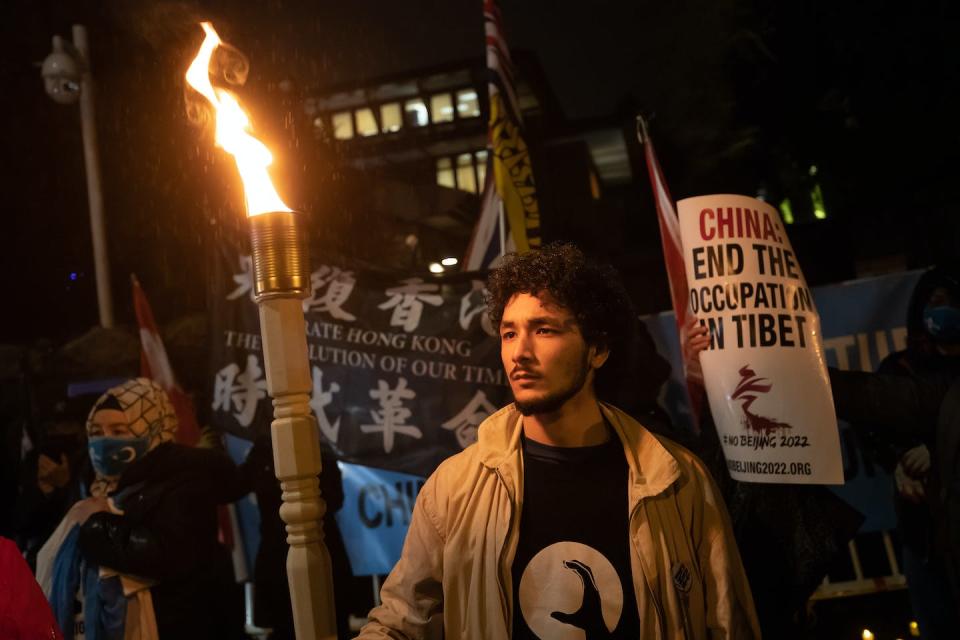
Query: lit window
[[415, 113], [366, 123], [816, 199], [466, 178], [786, 211], [441, 107], [481, 167], [445, 173], [390, 117], [343, 125], [468, 106]]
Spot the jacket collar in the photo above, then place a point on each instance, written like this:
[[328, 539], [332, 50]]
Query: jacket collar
[[498, 437], [652, 467]]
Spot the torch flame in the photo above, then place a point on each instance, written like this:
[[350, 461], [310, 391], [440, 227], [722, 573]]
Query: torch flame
[[233, 132]]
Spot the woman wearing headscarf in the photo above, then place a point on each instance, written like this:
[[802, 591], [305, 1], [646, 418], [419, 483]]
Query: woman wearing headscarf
[[139, 558]]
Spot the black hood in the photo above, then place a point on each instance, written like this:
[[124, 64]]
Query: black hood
[[947, 276]]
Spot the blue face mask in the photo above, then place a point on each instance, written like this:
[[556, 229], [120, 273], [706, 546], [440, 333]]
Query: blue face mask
[[110, 456], [943, 323]]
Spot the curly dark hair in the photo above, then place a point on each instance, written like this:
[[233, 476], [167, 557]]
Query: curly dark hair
[[590, 290]]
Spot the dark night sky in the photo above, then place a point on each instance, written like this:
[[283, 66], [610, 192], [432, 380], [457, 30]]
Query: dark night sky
[[745, 94]]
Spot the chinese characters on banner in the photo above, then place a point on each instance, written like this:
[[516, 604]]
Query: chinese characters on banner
[[404, 369], [764, 370]]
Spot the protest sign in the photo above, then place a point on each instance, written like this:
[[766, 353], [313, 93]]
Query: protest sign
[[764, 369], [862, 323]]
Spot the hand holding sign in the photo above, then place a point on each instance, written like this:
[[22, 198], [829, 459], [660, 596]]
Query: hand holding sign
[[759, 343], [695, 338]]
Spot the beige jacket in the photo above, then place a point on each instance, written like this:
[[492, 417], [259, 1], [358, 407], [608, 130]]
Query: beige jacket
[[454, 573]]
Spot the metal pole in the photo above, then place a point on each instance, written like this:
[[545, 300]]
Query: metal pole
[[91, 160], [503, 229]]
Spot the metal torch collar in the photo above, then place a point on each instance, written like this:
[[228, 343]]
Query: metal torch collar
[[280, 260]]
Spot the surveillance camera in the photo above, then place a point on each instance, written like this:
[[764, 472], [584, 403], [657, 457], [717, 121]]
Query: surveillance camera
[[61, 74], [62, 90]]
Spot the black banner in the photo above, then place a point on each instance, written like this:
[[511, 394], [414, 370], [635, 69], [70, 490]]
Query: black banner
[[403, 369]]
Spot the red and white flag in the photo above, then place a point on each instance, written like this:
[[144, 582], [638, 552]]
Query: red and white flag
[[154, 364], [673, 258]]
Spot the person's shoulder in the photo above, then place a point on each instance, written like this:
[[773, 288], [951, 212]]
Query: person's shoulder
[[451, 472], [457, 482], [170, 460], [697, 492], [906, 362], [193, 458], [689, 463], [8, 548]]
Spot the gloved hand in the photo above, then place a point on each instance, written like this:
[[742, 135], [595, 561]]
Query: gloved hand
[[911, 489]]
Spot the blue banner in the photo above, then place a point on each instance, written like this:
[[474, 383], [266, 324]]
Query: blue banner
[[862, 321], [377, 507], [376, 512], [248, 513]]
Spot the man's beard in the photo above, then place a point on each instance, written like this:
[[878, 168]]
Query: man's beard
[[553, 401]]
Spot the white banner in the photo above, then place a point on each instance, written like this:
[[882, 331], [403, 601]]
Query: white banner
[[764, 370]]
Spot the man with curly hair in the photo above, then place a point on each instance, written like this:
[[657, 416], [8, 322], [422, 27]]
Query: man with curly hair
[[567, 519]]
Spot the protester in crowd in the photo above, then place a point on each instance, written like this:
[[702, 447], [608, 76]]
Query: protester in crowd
[[925, 407], [140, 557], [52, 474], [917, 485], [24, 612], [922, 408], [567, 514]]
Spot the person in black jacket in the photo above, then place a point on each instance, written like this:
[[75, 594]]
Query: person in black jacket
[[150, 521], [929, 353], [927, 408]]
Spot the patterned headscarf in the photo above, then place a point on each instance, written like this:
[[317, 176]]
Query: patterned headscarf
[[148, 412]]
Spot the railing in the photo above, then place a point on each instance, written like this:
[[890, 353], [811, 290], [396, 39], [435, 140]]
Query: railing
[[862, 584]]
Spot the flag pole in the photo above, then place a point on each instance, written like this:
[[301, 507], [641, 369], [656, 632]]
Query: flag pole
[[502, 227], [641, 129], [674, 262]]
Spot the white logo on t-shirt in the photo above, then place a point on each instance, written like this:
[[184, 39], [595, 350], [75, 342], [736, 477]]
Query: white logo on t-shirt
[[570, 591]]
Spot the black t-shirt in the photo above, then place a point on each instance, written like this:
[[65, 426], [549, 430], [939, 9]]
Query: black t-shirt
[[571, 574]]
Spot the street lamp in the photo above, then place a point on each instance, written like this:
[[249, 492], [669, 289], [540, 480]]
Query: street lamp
[[67, 79]]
